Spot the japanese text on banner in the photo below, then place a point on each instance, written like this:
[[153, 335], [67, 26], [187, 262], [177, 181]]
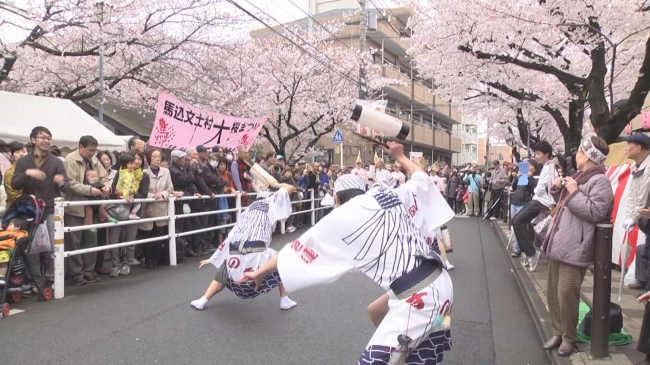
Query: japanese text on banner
[[179, 125]]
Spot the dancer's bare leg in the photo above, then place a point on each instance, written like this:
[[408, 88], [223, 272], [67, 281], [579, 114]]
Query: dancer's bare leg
[[443, 253], [214, 288], [377, 310]]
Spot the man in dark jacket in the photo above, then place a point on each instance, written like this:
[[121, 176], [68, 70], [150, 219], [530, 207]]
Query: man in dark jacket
[[208, 174], [185, 181], [40, 174]]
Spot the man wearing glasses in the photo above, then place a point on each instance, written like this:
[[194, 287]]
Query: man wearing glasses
[[41, 174]]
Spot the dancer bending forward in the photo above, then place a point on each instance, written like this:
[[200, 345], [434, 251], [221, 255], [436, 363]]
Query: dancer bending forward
[[382, 234], [247, 248]]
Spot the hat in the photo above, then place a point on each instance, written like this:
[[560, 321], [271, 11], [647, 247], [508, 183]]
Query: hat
[[641, 139], [16, 146], [435, 167], [201, 148], [302, 162], [279, 157], [176, 154], [348, 181]]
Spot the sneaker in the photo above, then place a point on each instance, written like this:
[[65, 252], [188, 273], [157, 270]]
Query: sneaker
[[126, 270], [91, 278], [291, 229], [525, 261], [534, 260], [115, 271], [136, 262], [2, 281], [78, 281], [515, 254], [636, 285], [286, 303], [133, 217]]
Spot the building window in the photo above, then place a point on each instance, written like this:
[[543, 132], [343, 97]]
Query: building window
[[474, 149]]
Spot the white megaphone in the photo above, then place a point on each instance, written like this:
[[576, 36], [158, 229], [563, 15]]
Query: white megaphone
[[258, 172], [374, 119]]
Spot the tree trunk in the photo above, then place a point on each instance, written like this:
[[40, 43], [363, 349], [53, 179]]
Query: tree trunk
[[576, 118]]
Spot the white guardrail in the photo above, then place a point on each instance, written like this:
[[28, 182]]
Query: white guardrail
[[60, 229]]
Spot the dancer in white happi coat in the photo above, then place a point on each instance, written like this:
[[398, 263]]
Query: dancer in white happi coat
[[382, 234], [247, 248]]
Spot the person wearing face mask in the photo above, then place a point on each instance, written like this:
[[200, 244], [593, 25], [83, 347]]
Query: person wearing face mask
[[209, 175]]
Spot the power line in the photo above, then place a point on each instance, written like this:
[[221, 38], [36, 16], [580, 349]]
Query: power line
[[290, 40], [321, 25]]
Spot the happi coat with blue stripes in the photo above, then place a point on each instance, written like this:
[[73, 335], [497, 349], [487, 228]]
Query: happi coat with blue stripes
[[247, 246], [382, 234]]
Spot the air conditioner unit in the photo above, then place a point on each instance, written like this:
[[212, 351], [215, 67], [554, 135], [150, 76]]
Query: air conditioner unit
[[372, 20]]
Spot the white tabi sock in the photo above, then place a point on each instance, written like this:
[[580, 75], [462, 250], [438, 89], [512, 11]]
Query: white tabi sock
[[199, 303], [286, 303], [449, 266]]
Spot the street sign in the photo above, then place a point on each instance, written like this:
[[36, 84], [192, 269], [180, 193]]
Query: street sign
[[338, 137]]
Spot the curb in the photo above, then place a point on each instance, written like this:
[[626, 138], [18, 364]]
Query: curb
[[533, 301]]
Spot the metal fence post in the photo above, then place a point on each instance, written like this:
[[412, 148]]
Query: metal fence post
[[505, 205], [238, 205], [171, 212], [313, 206], [602, 290], [59, 248]]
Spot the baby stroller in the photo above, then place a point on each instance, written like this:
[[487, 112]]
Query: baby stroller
[[18, 279]]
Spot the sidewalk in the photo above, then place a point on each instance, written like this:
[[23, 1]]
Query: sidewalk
[[632, 311]]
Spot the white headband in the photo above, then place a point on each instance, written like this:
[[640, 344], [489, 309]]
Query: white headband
[[349, 181], [591, 151]]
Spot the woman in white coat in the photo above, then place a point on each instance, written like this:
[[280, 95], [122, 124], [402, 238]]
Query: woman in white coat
[[160, 188]]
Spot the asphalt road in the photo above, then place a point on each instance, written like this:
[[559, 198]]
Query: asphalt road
[[146, 318]]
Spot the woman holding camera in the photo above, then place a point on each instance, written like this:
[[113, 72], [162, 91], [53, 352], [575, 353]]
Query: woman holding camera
[[586, 199]]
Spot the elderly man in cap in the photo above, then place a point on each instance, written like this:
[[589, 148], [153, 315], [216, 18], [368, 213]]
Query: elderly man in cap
[[638, 149], [215, 184], [185, 181]]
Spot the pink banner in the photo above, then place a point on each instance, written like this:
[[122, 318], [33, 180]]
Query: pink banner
[[181, 126]]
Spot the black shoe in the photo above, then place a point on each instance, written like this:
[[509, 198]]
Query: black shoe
[[149, 264], [91, 278], [155, 262], [553, 343], [190, 253], [79, 281]]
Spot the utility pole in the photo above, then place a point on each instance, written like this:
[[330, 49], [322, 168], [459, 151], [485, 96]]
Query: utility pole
[[99, 13], [363, 28]]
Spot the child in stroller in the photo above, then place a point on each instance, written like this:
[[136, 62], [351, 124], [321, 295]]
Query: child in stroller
[[23, 270], [16, 229]]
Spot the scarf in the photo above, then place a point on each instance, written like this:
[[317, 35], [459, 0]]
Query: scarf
[[581, 178], [243, 167]]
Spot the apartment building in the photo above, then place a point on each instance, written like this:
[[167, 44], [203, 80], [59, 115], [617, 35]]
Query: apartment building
[[432, 119], [468, 133]]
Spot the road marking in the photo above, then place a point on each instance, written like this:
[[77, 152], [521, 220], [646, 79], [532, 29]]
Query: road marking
[[15, 311]]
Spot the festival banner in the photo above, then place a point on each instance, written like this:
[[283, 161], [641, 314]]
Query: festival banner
[[180, 126]]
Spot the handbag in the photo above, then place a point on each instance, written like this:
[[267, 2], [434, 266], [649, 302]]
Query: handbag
[[541, 228], [41, 242], [615, 320], [446, 239], [118, 211]]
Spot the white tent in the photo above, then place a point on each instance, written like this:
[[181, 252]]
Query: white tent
[[19, 113]]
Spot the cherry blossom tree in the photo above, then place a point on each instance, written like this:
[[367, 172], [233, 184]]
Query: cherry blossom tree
[[147, 45], [303, 83], [567, 58]]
